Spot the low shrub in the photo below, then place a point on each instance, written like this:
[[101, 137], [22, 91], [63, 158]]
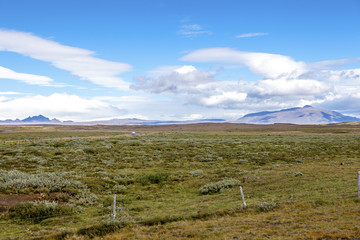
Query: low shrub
[[197, 173], [38, 211], [219, 186], [90, 150], [118, 189], [154, 178], [267, 206], [20, 180], [85, 197]]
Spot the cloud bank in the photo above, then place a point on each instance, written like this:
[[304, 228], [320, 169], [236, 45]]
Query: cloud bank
[[283, 82], [78, 61]]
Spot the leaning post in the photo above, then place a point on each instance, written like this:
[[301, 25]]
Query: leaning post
[[114, 208], [243, 198]]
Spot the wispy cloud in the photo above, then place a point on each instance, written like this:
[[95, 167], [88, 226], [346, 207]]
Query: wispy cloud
[[78, 61], [247, 35], [193, 30], [265, 64], [32, 79]]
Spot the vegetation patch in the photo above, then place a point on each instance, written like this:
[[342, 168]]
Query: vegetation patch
[[219, 186], [38, 210], [102, 229], [154, 178], [157, 175], [267, 206], [197, 173], [119, 189], [18, 180]]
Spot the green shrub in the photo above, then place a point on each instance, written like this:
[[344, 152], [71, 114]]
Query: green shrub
[[154, 178], [38, 211], [90, 150], [267, 206], [20, 180], [219, 186], [119, 189], [85, 197], [197, 173], [25, 190]]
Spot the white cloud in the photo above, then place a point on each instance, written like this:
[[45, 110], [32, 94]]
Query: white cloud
[[59, 105], [192, 30], [265, 64], [165, 70], [32, 79], [349, 76], [179, 79], [290, 88], [285, 83], [79, 62], [247, 35], [201, 88], [185, 69], [223, 99]]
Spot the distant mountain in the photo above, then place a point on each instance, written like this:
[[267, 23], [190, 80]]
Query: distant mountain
[[39, 118], [127, 121], [33, 119], [299, 115]]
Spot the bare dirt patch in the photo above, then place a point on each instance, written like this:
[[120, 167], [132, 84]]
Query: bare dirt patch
[[8, 200]]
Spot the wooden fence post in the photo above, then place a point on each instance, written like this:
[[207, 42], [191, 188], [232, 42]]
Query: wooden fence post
[[243, 198], [114, 208], [358, 183]]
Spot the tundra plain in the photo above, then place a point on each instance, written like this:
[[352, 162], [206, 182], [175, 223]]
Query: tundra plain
[[180, 181]]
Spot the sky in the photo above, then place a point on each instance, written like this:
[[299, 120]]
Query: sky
[[177, 59]]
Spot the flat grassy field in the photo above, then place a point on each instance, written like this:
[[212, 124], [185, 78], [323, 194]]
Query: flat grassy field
[[180, 182]]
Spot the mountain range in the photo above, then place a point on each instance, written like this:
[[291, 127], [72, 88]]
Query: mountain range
[[298, 115], [34, 119]]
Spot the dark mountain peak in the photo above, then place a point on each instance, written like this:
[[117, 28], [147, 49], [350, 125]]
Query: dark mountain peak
[[307, 106], [39, 118]]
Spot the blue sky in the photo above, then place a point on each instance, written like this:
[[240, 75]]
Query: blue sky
[[177, 60]]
